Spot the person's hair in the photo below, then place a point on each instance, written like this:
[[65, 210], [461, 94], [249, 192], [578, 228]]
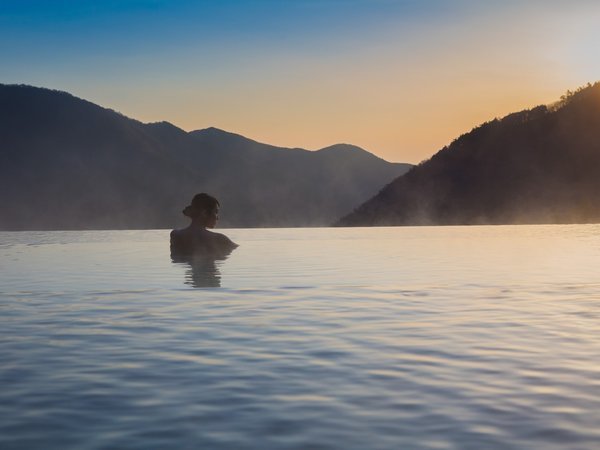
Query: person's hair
[[201, 203]]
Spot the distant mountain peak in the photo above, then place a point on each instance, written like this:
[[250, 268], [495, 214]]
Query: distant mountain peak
[[209, 130], [348, 151], [164, 125], [342, 148], [214, 131], [22, 86]]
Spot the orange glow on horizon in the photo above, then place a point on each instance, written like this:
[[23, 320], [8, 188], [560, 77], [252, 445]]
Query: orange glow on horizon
[[401, 93]]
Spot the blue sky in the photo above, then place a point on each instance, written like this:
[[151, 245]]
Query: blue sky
[[75, 28], [400, 78]]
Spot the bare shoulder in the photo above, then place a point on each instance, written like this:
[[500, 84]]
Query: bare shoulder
[[225, 241], [177, 235]]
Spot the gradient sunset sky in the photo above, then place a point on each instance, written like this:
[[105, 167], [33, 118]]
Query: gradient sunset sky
[[398, 78]]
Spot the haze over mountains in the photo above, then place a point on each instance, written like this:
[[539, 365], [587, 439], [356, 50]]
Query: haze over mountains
[[69, 164], [536, 166]]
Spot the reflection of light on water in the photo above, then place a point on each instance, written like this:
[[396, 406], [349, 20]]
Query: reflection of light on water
[[201, 270], [333, 338]]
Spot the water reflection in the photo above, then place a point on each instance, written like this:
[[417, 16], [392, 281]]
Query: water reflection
[[203, 270]]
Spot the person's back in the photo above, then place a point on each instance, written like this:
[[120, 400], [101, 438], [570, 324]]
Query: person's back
[[196, 238]]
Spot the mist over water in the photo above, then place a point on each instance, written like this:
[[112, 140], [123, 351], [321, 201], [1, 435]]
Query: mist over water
[[381, 338]]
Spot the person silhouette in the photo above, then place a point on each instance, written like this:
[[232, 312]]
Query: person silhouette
[[196, 239]]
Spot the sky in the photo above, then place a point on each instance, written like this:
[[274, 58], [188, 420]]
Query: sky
[[398, 78]]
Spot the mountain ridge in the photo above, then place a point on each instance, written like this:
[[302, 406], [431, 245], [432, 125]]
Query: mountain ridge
[[71, 164], [540, 165]]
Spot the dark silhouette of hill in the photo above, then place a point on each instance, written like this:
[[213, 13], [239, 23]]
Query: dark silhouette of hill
[[67, 163], [536, 166]]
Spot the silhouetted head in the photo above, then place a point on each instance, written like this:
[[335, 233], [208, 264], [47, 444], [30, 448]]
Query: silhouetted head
[[203, 209]]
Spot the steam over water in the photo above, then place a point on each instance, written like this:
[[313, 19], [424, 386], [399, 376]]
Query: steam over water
[[382, 338]]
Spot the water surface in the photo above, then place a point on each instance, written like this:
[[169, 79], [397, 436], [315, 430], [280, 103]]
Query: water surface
[[381, 338]]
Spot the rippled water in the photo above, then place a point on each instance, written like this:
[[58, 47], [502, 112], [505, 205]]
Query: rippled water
[[382, 338]]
